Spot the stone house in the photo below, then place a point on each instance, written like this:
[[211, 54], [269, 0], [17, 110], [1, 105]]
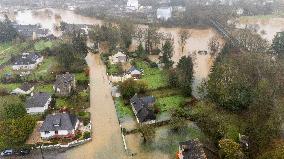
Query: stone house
[[64, 84]]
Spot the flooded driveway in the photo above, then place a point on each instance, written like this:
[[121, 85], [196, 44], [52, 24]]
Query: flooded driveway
[[107, 141]]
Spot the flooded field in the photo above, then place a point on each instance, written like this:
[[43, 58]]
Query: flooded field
[[165, 143], [198, 41], [266, 27]]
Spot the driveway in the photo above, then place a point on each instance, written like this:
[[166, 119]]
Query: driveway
[[107, 141]]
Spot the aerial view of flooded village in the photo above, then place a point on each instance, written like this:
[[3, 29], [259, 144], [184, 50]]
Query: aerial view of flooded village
[[142, 79]]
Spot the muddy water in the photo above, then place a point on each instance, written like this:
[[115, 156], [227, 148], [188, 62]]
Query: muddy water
[[267, 27], [199, 39]]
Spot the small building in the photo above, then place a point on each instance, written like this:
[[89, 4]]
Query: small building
[[118, 58], [192, 149], [142, 110], [26, 88], [164, 13], [64, 84], [134, 72], [132, 4], [27, 61], [38, 103], [60, 125]]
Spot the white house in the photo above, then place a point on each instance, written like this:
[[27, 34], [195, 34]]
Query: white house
[[24, 89], [164, 13], [27, 61], [118, 57], [62, 125], [38, 103], [132, 4]]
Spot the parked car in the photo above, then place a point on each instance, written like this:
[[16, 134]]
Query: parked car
[[7, 152], [23, 152]]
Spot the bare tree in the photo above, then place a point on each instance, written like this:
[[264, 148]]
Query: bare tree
[[183, 36], [214, 45]]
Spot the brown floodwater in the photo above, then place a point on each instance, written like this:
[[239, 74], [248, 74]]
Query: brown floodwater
[[266, 27], [198, 41]]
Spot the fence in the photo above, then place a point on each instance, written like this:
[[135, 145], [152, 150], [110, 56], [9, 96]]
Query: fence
[[69, 145]]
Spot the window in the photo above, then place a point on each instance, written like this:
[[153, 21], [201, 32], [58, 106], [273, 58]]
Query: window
[[46, 132]]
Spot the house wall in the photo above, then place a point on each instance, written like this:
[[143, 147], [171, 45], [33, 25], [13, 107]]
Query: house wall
[[52, 133]]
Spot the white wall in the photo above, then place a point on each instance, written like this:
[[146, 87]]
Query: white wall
[[38, 110]]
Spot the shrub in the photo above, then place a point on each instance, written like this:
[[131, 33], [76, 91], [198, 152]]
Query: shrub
[[87, 135]]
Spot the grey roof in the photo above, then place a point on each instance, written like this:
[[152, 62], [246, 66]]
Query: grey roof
[[59, 121], [141, 106], [133, 68], [26, 86], [192, 149], [27, 59], [37, 100], [64, 80]]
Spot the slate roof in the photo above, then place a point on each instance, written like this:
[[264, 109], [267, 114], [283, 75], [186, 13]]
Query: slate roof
[[59, 121], [133, 69], [37, 100], [192, 149], [141, 106], [64, 80], [27, 59], [26, 86]]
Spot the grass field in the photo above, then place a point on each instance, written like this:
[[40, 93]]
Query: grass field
[[154, 77], [122, 109], [9, 49], [10, 87], [48, 88], [81, 76], [41, 45], [170, 102], [44, 71]]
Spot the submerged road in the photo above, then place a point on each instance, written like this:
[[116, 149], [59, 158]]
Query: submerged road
[[107, 141]]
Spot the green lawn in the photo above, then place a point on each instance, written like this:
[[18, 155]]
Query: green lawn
[[44, 71], [9, 49], [6, 70], [61, 103], [154, 77], [167, 103], [41, 45], [122, 109], [48, 88], [81, 76], [10, 87]]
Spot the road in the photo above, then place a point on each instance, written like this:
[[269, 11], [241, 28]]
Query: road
[[107, 141]]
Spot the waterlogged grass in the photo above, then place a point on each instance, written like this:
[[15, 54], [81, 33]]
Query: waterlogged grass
[[166, 140], [154, 77]]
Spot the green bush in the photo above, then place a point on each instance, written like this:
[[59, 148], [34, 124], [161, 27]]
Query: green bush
[[87, 135]]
